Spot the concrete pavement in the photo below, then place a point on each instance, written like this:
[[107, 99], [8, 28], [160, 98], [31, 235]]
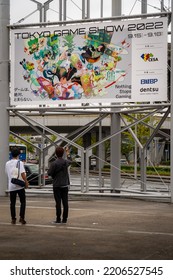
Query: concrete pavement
[[99, 228]]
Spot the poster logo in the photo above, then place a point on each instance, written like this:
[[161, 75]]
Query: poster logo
[[149, 57], [148, 81]]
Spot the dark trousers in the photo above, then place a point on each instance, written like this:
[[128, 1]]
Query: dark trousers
[[22, 197], [61, 196]]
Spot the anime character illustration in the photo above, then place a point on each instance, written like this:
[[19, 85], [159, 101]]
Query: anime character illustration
[[92, 54], [63, 68]]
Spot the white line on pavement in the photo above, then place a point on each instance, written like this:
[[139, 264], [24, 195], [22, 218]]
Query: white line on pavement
[[150, 232], [55, 226]]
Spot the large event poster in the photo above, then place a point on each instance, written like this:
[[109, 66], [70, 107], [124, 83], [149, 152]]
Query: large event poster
[[117, 61]]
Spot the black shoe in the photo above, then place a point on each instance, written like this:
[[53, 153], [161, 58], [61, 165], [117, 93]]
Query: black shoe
[[13, 221], [56, 222], [64, 221], [22, 221]]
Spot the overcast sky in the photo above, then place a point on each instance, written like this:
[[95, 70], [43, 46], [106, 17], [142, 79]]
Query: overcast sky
[[27, 7]]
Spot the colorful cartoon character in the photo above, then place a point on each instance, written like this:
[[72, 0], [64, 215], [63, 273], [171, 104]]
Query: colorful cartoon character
[[75, 61], [86, 84], [46, 85], [53, 43], [91, 53], [33, 45], [27, 65], [58, 70]]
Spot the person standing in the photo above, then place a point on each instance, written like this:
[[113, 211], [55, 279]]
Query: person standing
[[11, 169], [59, 172]]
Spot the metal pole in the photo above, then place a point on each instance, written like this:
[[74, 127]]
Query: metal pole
[[171, 130], [151, 15], [135, 156], [100, 154], [43, 154], [46, 8], [65, 10], [4, 91], [115, 149], [88, 8], [162, 5], [115, 143], [43, 169], [87, 169], [40, 163], [40, 8], [116, 7], [45, 12], [60, 10], [83, 9], [101, 9], [82, 171], [143, 169], [144, 6], [143, 152]]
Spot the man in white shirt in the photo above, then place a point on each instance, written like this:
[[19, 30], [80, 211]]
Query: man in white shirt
[[11, 170]]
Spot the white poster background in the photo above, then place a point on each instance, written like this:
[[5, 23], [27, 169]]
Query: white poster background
[[131, 67]]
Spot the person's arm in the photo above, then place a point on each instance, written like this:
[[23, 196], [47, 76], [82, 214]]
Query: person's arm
[[68, 156], [23, 175], [51, 170], [67, 151]]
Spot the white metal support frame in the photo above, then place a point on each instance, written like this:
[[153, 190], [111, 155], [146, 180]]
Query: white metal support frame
[[171, 103], [132, 108], [4, 91], [43, 8], [145, 111]]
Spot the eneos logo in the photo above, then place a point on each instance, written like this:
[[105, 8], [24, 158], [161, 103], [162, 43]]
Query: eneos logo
[[149, 57]]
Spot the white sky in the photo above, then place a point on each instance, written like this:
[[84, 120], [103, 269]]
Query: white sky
[[74, 9]]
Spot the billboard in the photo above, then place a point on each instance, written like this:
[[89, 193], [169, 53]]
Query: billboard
[[117, 61]]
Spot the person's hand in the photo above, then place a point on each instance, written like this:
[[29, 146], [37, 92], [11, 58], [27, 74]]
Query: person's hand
[[67, 151]]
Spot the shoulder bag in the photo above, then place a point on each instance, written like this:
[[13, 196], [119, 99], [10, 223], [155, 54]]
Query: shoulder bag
[[17, 181]]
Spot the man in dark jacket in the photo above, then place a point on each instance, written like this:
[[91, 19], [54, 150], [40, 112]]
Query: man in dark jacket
[[59, 172]]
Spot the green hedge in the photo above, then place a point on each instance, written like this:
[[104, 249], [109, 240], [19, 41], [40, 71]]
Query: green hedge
[[162, 170]]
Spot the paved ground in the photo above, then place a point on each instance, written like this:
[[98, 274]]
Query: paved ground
[[98, 228]]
